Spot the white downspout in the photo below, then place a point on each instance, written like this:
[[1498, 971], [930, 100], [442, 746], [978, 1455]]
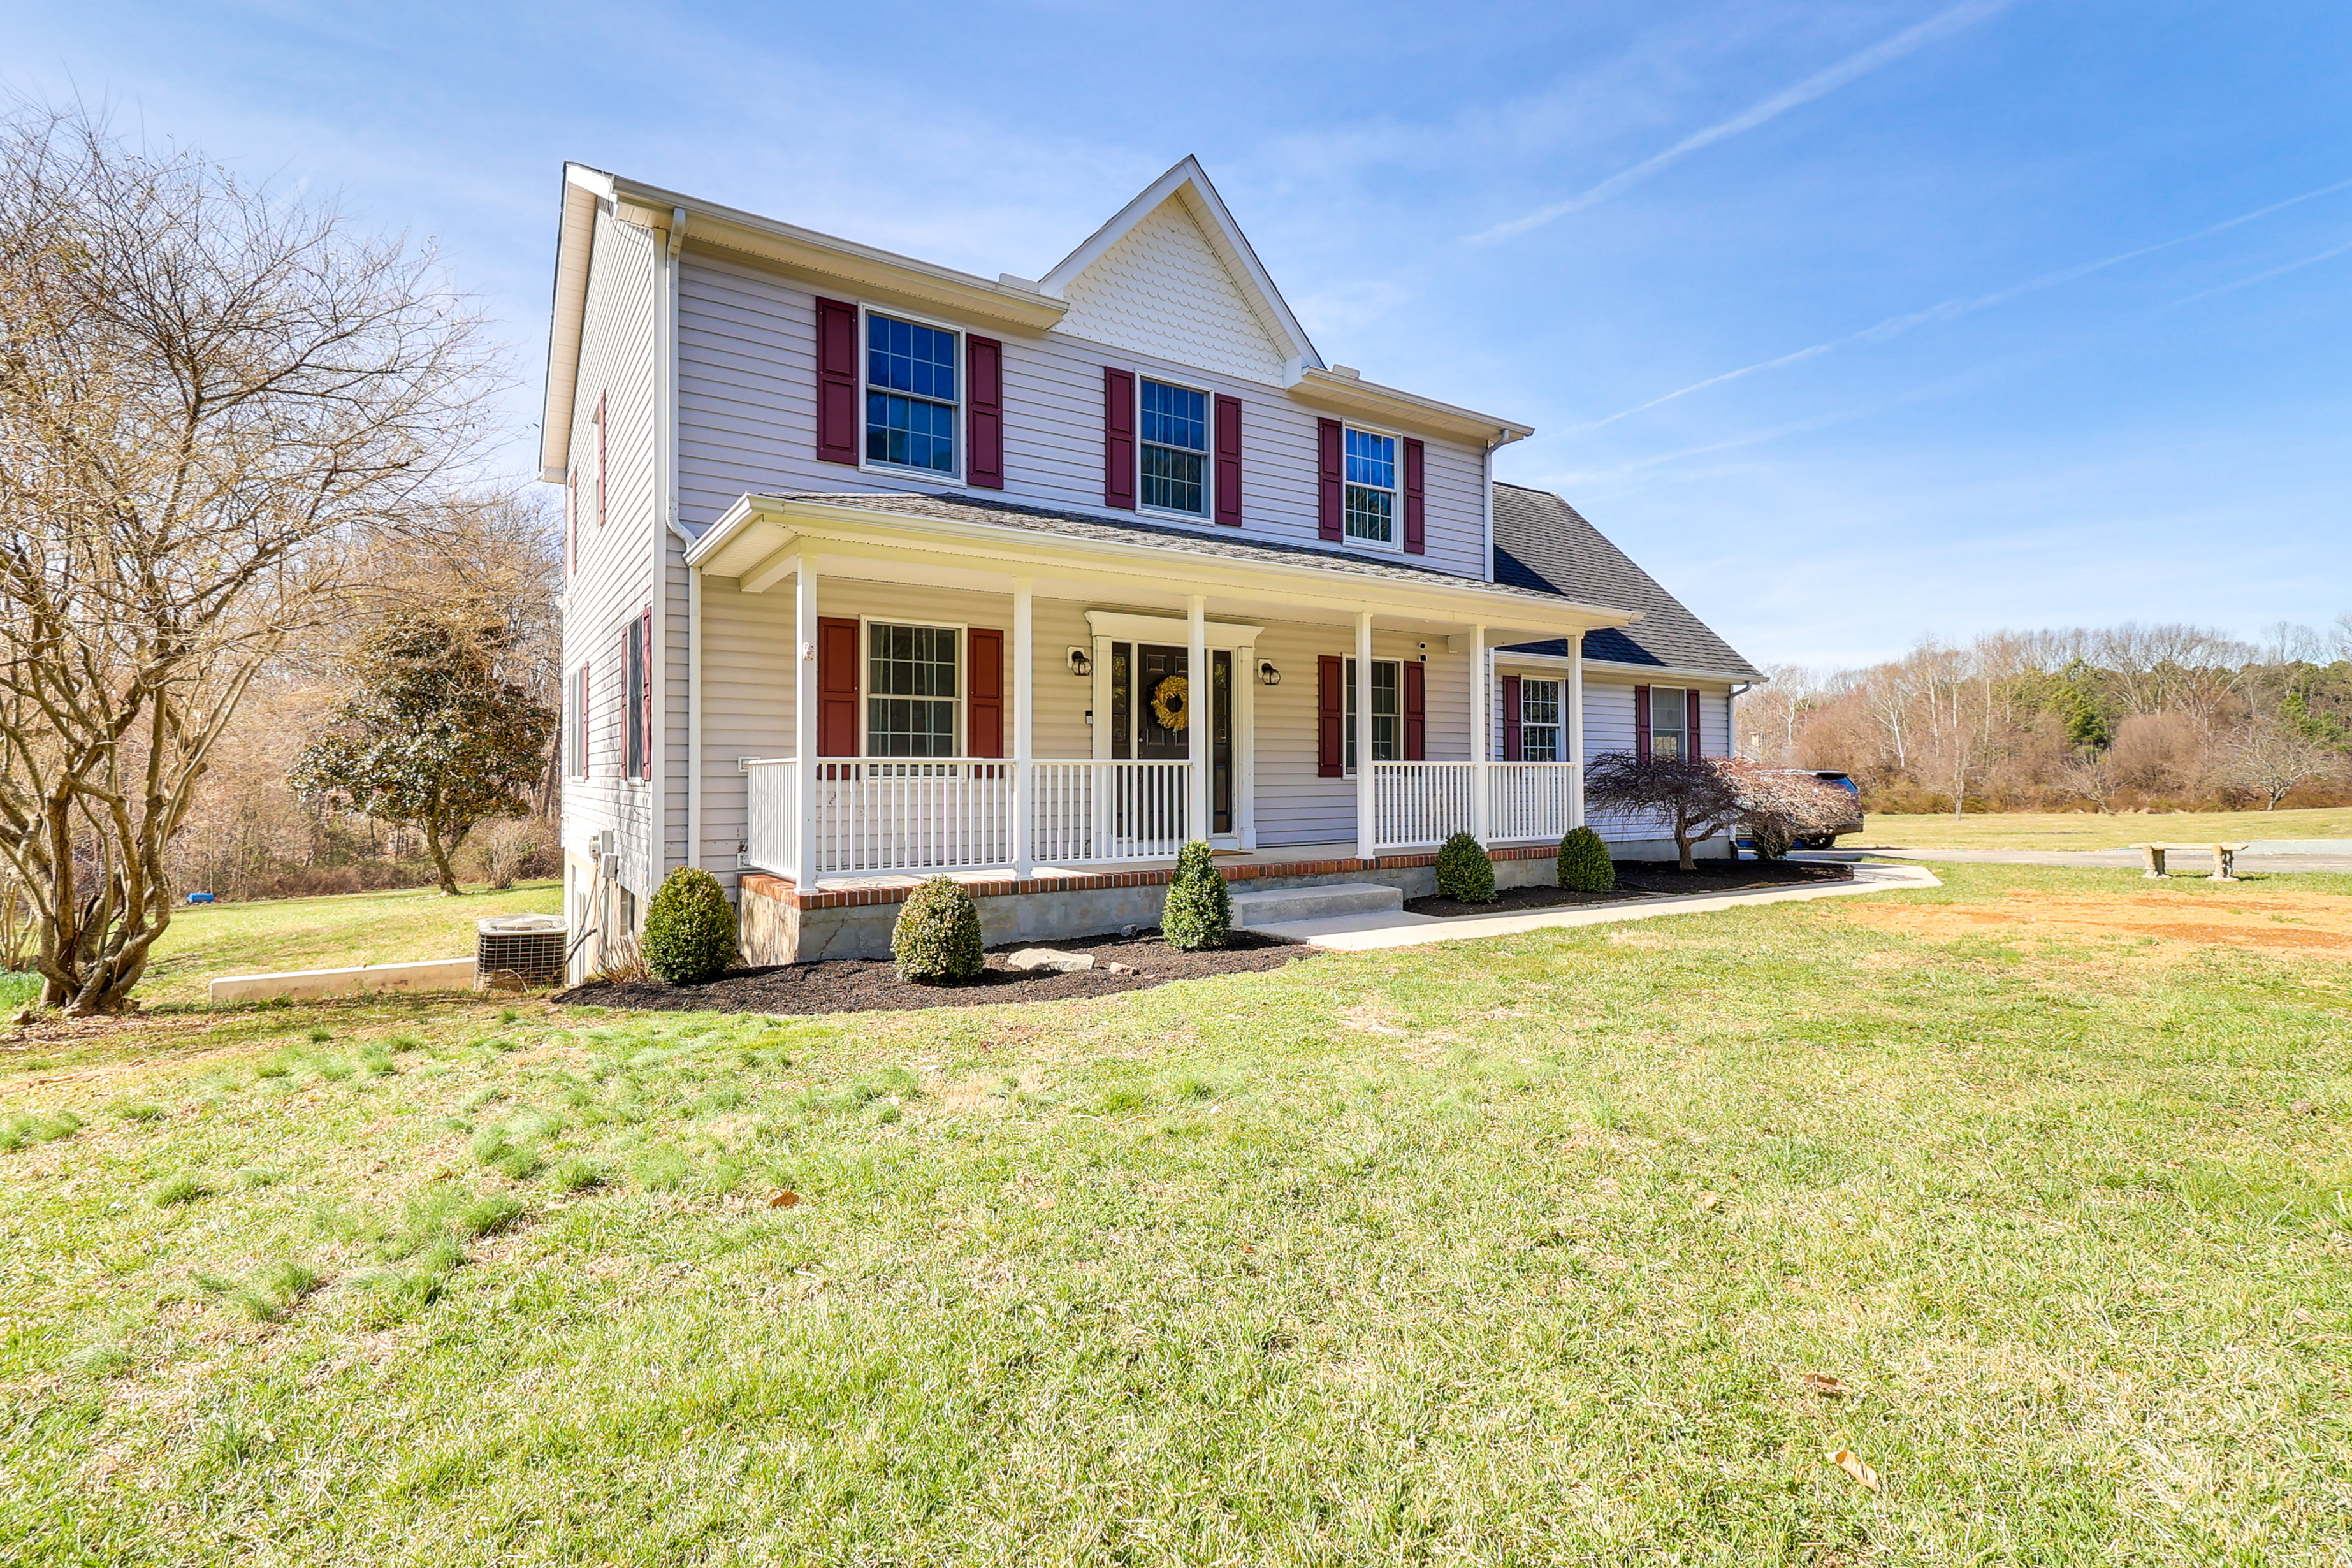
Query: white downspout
[[1576, 710], [668, 447]]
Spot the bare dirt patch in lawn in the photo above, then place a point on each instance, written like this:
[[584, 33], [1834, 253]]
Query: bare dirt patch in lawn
[[2316, 925]]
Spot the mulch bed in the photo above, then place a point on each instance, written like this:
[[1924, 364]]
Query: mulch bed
[[872, 984], [1639, 879]]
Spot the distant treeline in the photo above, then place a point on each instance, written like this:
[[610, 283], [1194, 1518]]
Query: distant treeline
[[2123, 717]]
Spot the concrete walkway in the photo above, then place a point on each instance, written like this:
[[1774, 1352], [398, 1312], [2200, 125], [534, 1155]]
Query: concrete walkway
[[1356, 933], [2261, 855]]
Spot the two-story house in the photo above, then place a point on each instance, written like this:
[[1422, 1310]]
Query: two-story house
[[877, 570]]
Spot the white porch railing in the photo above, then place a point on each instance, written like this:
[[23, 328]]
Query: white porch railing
[[1419, 804], [880, 815], [768, 827], [877, 814], [1085, 810], [1529, 800]]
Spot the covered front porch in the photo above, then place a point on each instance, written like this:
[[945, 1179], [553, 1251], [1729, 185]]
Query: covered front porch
[[980, 696]]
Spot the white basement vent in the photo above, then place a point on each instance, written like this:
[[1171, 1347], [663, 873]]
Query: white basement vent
[[519, 952]]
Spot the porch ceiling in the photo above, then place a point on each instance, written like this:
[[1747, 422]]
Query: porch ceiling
[[763, 539]]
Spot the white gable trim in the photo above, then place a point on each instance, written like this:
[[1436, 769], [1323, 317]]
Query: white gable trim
[[1188, 180]]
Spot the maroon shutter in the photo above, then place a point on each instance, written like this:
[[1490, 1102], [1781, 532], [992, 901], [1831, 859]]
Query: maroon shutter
[[1642, 722], [837, 687], [1119, 438], [1511, 747], [1414, 534], [646, 685], [836, 382], [984, 424], [1416, 709], [1229, 461], [1327, 495], [984, 714], [1330, 717], [1691, 704]]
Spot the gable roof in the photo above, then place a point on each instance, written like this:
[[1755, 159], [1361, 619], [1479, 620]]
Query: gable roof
[[1197, 209], [1543, 543]]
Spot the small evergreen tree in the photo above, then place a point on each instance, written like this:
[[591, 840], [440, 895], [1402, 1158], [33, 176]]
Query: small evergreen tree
[[690, 928], [435, 736], [937, 939], [1199, 912], [1584, 864], [1465, 872]]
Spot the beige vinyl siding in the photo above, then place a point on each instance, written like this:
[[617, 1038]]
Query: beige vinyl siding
[[612, 579], [747, 418]]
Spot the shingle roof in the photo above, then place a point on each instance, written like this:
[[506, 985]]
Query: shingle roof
[[963, 506], [1543, 545]]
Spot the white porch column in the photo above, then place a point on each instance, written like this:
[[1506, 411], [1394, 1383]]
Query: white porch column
[[1481, 739], [1199, 713], [1024, 637], [804, 781], [1576, 721], [1365, 827], [1245, 746]]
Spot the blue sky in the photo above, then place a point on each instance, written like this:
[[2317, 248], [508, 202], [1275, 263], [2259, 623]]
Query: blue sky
[[1853, 322]]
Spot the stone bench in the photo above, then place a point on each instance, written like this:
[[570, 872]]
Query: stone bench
[[2225, 858]]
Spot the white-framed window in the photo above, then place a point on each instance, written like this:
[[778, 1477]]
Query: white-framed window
[[912, 690], [1541, 732], [1371, 501], [576, 724], [914, 394], [1388, 712], [1173, 448], [1669, 721]]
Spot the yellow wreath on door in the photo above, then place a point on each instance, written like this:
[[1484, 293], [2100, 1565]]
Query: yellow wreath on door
[[1170, 703]]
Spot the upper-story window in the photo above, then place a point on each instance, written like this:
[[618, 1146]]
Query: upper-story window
[[1175, 438], [1371, 495], [1669, 721], [910, 395]]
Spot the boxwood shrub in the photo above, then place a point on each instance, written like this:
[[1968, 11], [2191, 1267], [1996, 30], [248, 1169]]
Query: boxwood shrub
[[1584, 863], [1199, 912], [937, 939], [690, 928], [1463, 872]]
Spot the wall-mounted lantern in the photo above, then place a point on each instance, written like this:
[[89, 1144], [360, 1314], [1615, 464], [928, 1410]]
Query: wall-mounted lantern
[[1267, 674], [1081, 662]]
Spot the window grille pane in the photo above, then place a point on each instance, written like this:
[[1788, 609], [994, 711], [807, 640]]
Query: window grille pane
[[1668, 721], [1387, 720], [1175, 416], [911, 661], [906, 356], [909, 433], [1371, 514], [1173, 480], [1372, 460]]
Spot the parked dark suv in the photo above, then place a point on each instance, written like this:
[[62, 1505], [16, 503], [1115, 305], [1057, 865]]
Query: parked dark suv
[[1852, 824]]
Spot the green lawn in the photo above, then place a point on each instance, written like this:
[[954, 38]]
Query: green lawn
[[1515, 1252], [2087, 830], [266, 935]]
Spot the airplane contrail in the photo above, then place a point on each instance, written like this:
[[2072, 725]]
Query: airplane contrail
[[1861, 63], [1895, 326]]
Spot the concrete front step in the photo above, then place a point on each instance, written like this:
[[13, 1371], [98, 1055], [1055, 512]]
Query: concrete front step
[[1319, 902]]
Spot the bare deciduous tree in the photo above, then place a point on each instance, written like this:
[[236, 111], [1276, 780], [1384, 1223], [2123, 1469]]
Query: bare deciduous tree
[[211, 401], [2270, 760]]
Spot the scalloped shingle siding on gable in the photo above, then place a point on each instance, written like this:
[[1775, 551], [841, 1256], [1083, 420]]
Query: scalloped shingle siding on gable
[[1163, 291]]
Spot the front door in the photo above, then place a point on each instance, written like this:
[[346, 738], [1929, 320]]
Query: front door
[[1141, 691]]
